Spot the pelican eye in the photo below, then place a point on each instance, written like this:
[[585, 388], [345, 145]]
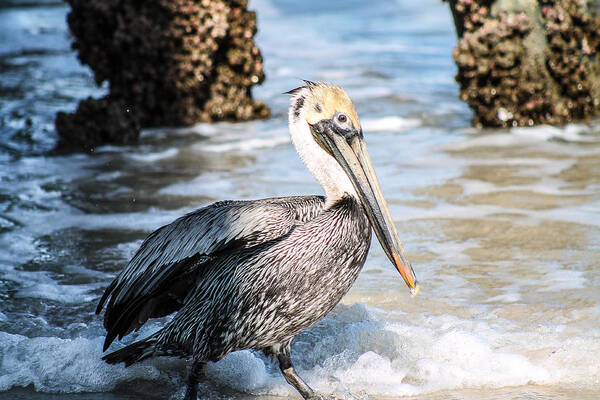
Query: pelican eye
[[342, 122]]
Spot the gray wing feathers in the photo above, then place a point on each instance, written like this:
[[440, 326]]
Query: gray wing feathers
[[211, 229], [191, 241]]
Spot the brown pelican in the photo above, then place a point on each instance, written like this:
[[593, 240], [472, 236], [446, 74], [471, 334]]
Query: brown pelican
[[254, 274]]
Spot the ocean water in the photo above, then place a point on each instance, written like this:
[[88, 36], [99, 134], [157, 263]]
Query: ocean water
[[502, 226]]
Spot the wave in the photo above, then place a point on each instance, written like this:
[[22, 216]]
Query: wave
[[353, 350]]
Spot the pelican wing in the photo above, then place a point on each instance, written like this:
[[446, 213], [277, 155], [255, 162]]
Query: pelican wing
[[164, 269]]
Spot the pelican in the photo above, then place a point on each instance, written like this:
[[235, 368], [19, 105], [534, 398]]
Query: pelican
[[254, 274]]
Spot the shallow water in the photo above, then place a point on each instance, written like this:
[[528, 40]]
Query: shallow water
[[502, 227]]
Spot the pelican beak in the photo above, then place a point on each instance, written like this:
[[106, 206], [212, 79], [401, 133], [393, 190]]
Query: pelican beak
[[350, 151]]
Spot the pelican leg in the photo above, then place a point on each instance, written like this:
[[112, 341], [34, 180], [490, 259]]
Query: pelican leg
[[196, 372], [286, 367]]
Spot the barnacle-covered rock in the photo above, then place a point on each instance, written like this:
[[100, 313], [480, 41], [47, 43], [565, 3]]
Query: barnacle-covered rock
[[528, 62], [174, 62]]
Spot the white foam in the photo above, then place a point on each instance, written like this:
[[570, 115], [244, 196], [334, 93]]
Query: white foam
[[388, 124], [246, 144], [155, 156], [23, 277], [570, 133], [511, 294], [60, 293], [579, 214], [223, 137], [354, 352], [242, 371], [540, 137], [351, 351], [563, 279], [391, 359], [200, 129], [58, 365], [205, 130]]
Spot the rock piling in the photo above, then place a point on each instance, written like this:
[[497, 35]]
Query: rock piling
[[528, 62], [167, 63]]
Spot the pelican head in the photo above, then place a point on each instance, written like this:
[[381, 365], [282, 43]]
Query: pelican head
[[326, 132]]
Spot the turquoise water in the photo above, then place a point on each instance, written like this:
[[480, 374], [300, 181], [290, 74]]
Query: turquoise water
[[502, 227]]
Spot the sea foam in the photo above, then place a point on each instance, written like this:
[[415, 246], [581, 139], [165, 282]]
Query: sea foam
[[352, 351], [57, 365]]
